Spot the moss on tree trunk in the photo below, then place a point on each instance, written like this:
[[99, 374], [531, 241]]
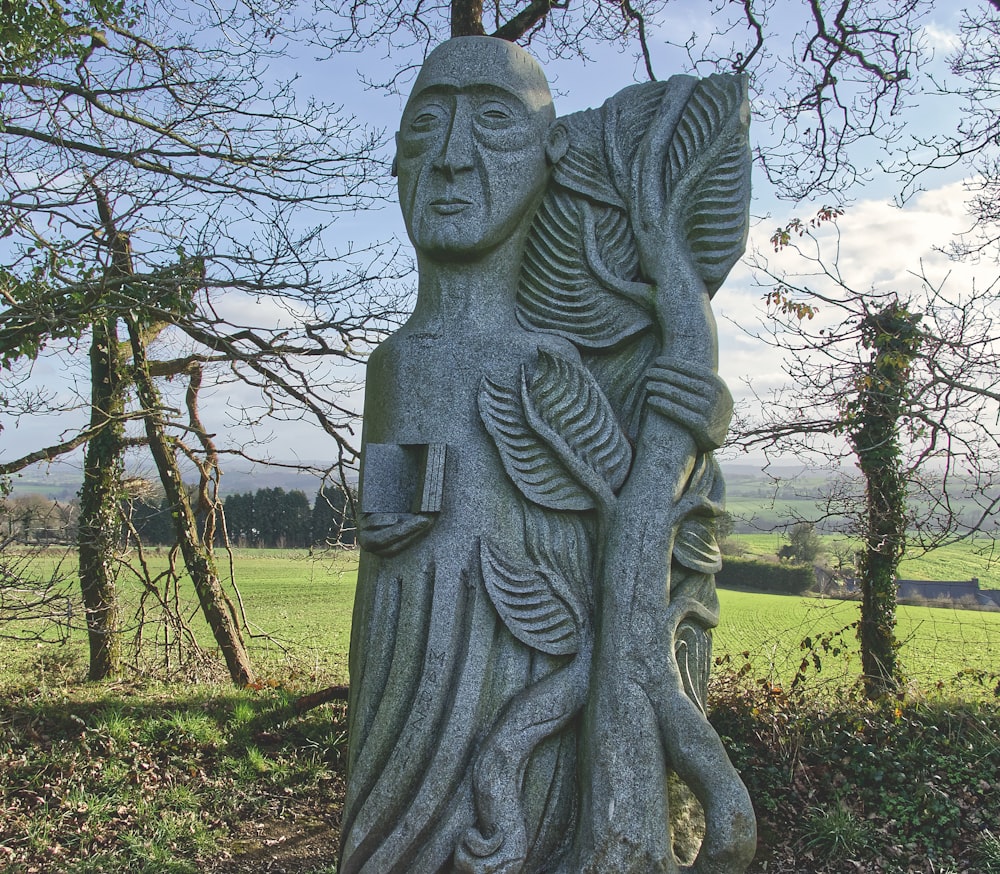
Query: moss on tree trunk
[[218, 609], [99, 518], [893, 337]]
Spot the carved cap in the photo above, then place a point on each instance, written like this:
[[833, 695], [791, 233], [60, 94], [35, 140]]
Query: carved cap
[[485, 60]]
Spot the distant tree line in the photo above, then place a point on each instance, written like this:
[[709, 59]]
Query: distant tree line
[[35, 519], [269, 518]]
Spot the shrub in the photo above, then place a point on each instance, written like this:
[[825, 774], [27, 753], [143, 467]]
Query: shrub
[[835, 831], [897, 785], [784, 579], [804, 544], [732, 546]]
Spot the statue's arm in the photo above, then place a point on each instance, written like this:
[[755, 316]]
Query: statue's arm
[[401, 482]]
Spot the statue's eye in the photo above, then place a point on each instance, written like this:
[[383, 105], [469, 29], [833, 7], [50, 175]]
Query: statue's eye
[[426, 119], [495, 115]]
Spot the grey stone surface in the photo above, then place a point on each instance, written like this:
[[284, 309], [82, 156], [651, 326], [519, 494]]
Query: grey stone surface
[[532, 631]]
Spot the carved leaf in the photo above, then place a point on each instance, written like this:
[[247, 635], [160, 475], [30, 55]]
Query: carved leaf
[[584, 167], [695, 545], [562, 542], [693, 651], [565, 405], [627, 117], [527, 602], [560, 292], [529, 462], [708, 172]]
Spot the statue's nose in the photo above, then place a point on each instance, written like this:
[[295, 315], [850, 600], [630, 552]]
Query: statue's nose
[[456, 150]]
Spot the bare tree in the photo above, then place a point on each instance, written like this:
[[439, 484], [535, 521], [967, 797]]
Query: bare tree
[[975, 81], [906, 383], [33, 607], [151, 164], [841, 78], [828, 80]]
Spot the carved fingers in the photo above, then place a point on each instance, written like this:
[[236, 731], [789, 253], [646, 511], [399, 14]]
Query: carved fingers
[[694, 397], [391, 533]]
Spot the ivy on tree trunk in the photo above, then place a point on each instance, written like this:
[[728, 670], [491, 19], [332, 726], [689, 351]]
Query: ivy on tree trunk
[[99, 517], [893, 337]]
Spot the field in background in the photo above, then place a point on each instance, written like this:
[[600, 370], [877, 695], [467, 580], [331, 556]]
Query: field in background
[[298, 608], [937, 644], [960, 561], [297, 605]]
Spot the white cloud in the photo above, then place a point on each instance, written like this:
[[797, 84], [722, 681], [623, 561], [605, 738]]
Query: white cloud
[[881, 247], [884, 247], [940, 38]]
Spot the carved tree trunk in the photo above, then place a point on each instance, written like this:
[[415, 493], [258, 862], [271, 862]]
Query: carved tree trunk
[[640, 720], [99, 518], [219, 611]]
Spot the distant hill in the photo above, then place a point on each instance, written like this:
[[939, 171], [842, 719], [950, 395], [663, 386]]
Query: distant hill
[[758, 498], [61, 482]]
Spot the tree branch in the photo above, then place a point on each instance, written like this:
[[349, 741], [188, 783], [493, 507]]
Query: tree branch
[[528, 18]]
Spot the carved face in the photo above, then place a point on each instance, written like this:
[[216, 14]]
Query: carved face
[[471, 149]]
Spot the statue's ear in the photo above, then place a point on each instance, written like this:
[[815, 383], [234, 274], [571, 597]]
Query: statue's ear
[[557, 144], [394, 171]]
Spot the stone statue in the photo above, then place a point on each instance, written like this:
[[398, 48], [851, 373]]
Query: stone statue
[[531, 638]]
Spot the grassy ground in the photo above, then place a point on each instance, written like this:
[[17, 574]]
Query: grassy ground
[[299, 606], [144, 776], [172, 779], [166, 779]]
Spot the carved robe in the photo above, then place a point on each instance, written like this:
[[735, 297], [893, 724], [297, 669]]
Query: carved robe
[[432, 664]]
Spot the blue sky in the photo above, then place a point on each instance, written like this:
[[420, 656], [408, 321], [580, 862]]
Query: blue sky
[[881, 246]]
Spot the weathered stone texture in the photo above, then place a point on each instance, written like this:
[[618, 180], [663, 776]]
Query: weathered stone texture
[[532, 634]]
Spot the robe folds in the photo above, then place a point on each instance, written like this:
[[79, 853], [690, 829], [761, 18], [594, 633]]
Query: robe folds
[[433, 666]]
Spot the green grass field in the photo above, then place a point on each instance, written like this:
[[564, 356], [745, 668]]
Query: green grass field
[[298, 608], [960, 561], [190, 776], [937, 644]]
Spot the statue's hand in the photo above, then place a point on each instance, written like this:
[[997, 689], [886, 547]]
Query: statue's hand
[[694, 397], [391, 533]]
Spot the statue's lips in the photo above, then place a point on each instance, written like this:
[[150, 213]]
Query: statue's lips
[[450, 205]]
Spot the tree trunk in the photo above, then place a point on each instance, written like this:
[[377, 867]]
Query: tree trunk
[[884, 541], [99, 496], [893, 336], [467, 18], [218, 609]]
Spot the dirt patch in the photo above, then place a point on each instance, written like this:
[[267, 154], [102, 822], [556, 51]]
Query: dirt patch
[[288, 846], [293, 833]]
